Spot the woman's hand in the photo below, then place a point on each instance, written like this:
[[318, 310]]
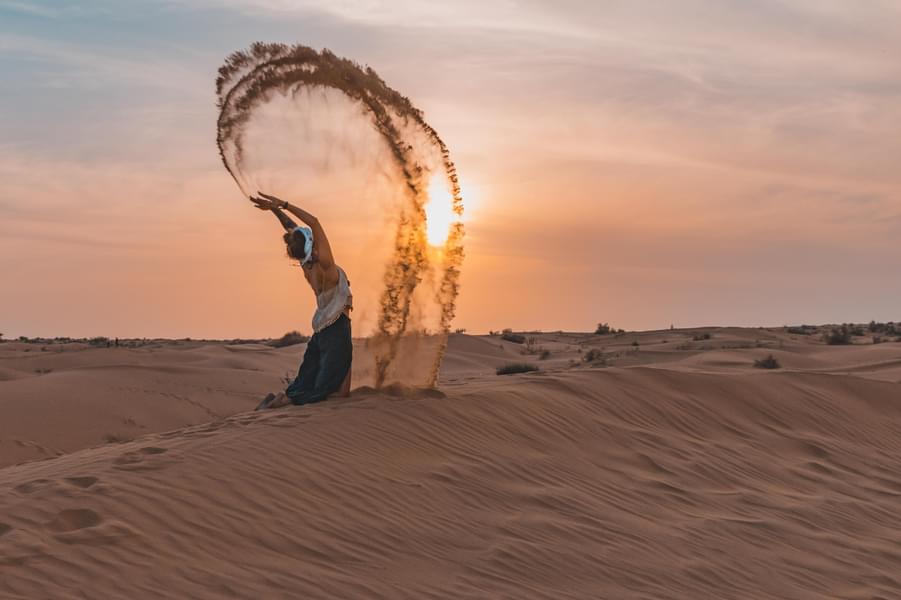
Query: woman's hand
[[275, 206], [276, 202], [266, 203]]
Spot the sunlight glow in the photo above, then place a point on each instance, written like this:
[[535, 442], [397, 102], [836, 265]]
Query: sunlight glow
[[439, 211]]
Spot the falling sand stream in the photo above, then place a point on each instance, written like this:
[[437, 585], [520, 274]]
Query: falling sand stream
[[251, 79]]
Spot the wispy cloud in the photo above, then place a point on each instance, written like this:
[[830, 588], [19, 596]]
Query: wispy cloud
[[29, 8], [747, 143], [746, 85], [495, 16], [107, 64]]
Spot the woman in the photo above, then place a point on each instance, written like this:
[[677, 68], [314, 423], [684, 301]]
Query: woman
[[326, 363]]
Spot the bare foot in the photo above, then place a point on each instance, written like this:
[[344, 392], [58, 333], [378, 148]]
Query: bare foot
[[264, 403], [279, 401]]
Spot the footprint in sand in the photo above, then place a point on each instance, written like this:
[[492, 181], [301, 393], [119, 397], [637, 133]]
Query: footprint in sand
[[18, 546], [74, 519], [85, 526], [146, 458], [32, 486], [207, 429], [82, 482], [52, 485], [288, 419]]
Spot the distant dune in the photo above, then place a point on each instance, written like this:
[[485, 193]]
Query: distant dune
[[666, 467]]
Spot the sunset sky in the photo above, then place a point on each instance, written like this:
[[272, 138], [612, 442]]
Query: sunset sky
[[646, 163]]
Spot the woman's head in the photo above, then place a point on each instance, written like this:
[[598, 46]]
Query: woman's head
[[299, 244]]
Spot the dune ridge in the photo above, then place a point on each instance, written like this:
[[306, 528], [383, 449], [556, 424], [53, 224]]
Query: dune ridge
[[55, 399], [640, 482]]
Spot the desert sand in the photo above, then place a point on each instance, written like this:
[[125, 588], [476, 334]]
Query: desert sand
[[669, 468]]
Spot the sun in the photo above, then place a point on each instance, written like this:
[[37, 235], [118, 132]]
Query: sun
[[439, 212]]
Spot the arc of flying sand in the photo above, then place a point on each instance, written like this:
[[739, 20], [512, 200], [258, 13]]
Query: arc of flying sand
[[270, 67]]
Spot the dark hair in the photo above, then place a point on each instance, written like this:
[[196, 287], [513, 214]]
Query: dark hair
[[295, 242]]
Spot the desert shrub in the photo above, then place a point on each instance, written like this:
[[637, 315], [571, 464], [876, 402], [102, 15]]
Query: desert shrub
[[509, 336], [513, 368], [99, 341], [802, 329], [890, 328], [738, 346], [770, 362], [701, 337], [290, 339], [532, 346], [635, 343], [460, 330], [544, 354], [605, 328], [839, 336], [594, 355]]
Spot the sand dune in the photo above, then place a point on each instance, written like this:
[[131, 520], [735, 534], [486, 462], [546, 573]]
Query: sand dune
[[73, 397], [686, 475]]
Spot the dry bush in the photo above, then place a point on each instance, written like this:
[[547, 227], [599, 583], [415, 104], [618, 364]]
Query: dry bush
[[594, 356], [290, 339], [605, 328], [890, 328], [513, 368], [509, 336], [770, 362], [802, 329], [842, 335]]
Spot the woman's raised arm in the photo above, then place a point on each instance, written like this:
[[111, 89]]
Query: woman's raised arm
[[320, 240], [284, 219]]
